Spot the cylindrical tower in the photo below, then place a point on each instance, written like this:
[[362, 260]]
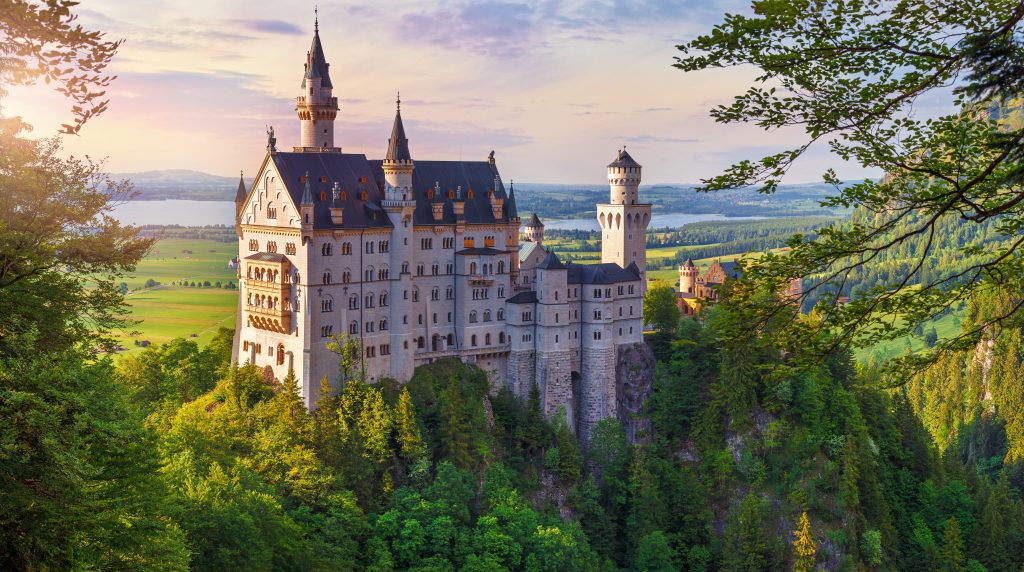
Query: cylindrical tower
[[688, 277], [316, 107], [624, 179], [534, 230]]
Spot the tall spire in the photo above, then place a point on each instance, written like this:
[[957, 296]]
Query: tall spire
[[511, 212], [398, 144], [316, 61], [240, 193]]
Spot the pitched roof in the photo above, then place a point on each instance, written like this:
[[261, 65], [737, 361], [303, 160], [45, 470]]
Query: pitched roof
[[398, 144], [478, 176], [525, 297], [551, 262], [689, 263], [534, 222], [350, 170], [623, 160], [526, 249], [603, 273], [316, 63]]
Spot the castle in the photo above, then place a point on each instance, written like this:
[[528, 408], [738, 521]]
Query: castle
[[421, 260], [696, 288]]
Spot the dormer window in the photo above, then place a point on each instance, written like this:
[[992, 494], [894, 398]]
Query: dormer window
[[323, 196]]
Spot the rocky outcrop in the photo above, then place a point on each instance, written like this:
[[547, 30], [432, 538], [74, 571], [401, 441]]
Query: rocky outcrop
[[634, 376]]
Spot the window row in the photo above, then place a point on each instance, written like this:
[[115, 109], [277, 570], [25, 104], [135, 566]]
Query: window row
[[486, 315]]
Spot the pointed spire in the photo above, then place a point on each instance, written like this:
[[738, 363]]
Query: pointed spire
[[316, 61], [307, 195], [241, 193], [398, 144], [511, 212]]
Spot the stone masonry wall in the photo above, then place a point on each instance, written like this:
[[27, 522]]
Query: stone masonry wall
[[521, 372], [597, 388], [554, 377]]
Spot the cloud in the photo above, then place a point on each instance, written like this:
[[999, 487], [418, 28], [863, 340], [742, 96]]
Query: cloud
[[657, 139], [271, 26], [491, 28]]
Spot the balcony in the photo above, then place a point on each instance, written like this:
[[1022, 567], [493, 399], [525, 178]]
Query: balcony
[[481, 279]]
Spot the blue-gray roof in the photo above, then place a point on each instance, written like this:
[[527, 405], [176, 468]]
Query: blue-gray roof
[[316, 63], [398, 144], [603, 273], [355, 174], [525, 297]]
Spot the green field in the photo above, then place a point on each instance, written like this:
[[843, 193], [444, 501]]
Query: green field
[[169, 310]]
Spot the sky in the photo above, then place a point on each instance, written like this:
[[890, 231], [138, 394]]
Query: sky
[[553, 87]]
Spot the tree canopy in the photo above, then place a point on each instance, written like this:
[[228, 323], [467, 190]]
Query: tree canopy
[[861, 79]]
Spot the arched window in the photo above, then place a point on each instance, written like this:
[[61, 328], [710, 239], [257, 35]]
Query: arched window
[[435, 294], [280, 354], [472, 267], [383, 300], [405, 268], [451, 339], [327, 277], [501, 337], [472, 340], [325, 250], [271, 211], [472, 317], [353, 327], [419, 342], [353, 302], [346, 248], [383, 325], [327, 305], [487, 339], [368, 301], [346, 277], [487, 315], [501, 314], [501, 267]]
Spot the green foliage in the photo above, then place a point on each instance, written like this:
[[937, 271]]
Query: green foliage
[[660, 308]]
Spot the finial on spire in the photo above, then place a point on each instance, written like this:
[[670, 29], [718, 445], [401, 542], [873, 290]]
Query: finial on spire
[[398, 101], [316, 18]]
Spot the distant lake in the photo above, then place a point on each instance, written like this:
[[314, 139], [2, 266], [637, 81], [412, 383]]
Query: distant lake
[[183, 213], [672, 220], [205, 213]]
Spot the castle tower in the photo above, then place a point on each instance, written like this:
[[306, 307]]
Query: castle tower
[[624, 219], [399, 205], [688, 277], [316, 107], [534, 230]]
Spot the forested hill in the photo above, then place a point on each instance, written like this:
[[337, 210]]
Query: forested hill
[[944, 253]]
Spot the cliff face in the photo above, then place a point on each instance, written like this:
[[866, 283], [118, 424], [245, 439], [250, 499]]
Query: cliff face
[[634, 375]]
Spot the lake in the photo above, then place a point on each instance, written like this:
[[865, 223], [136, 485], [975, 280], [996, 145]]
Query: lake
[[205, 213]]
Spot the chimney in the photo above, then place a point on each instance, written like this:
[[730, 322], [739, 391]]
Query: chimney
[[337, 211]]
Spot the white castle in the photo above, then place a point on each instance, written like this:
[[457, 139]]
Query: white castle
[[422, 260]]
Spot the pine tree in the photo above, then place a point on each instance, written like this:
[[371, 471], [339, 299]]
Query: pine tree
[[952, 550], [410, 442], [804, 547]]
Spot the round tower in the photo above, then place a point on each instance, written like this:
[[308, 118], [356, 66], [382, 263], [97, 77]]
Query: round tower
[[624, 179], [316, 107], [688, 277], [534, 230]]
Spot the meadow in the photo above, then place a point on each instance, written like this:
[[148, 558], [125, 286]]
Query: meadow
[[169, 309]]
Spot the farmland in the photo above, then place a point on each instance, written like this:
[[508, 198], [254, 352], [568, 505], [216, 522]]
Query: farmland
[[170, 309]]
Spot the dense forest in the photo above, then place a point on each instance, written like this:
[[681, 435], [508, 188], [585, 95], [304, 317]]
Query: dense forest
[[953, 248], [181, 461]]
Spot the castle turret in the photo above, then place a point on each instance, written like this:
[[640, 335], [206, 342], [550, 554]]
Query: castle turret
[[398, 165], [399, 204], [316, 107], [688, 277], [534, 230], [624, 219]]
